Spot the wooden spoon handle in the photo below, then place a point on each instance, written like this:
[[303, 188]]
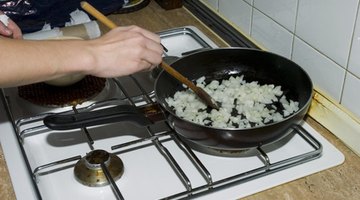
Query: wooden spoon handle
[[178, 76], [98, 15]]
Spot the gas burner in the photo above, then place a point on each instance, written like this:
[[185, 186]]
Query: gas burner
[[46, 95], [89, 170]]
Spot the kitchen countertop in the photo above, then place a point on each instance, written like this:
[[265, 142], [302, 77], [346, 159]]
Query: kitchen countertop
[[340, 182]]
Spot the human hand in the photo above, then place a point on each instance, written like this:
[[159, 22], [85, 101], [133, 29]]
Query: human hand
[[125, 50], [10, 29], [120, 52]]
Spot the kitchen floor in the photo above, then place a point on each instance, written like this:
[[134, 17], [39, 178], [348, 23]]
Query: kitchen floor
[[341, 182]]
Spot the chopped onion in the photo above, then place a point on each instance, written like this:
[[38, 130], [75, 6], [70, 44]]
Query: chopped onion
[[243, 104]]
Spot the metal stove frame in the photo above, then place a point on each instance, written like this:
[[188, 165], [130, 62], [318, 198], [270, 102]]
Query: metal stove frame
[[157, 139]]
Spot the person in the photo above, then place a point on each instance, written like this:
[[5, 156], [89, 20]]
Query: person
[[121, 51]]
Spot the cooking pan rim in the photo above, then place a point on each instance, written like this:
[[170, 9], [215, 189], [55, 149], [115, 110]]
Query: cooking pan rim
[[305, 106]]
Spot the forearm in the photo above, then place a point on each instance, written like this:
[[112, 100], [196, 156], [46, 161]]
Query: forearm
[[24, 62], [122, 51]]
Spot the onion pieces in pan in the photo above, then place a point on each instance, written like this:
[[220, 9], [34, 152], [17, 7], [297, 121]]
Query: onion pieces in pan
[[242, 104]]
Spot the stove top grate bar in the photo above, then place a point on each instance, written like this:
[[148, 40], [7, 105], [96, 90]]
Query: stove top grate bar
[[170, 158], [39, 171], [137, 141], [147, 99], [179, 171], [31, 131], [267, 169], [113, 185], [194, 159], [127, 95], [90, 140]]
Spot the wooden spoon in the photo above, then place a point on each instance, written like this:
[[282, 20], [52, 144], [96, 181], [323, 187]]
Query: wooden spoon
[[197, 90]]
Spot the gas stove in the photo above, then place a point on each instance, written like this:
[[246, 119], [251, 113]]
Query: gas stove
[[127, 161]]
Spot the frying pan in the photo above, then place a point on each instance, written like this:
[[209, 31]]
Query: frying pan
[[255, 65]]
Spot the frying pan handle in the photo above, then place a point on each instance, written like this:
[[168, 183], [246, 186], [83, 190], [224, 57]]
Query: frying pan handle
[[97, 117]]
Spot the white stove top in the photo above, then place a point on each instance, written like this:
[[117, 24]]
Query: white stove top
[[147, 173]]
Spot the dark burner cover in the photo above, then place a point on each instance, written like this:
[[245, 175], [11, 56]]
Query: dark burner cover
[[47, 95]]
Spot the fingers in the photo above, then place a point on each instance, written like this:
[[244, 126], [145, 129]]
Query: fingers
[[4, 30], [144, 44], [16, 31], [146, 66], [133, 48], [146, 33], [154, 46], [154, 54], [149, 51], [9, 28]]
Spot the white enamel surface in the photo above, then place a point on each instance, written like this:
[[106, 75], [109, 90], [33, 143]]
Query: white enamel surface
[[351, 94], [281, 11], [20, 179], [315, 64], [238, 12], [328, 26], [271, 35]]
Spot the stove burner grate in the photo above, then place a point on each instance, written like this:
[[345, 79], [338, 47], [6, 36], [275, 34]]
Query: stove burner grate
[[98, 160], [156, 138]]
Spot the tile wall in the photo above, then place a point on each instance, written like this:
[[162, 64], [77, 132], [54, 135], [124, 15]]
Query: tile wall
[[322, 36]]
